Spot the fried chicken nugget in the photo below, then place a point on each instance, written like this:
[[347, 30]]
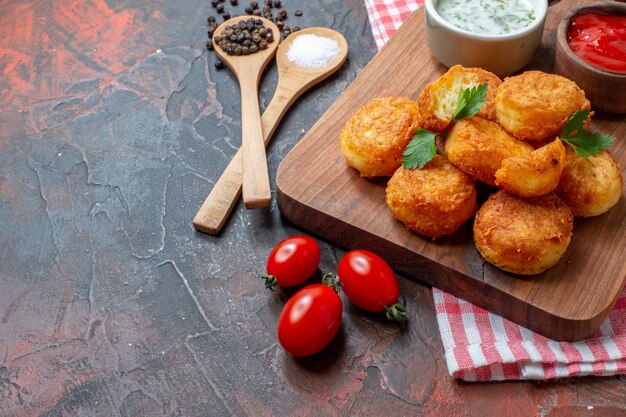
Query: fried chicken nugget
[[478, 147], [433, 201], [523, 236], [535, 106], [533, 174], [590, 187], [438, 100], [376, 135]]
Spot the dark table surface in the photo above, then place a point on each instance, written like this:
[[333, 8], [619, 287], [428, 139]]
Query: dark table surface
[[114, 127]]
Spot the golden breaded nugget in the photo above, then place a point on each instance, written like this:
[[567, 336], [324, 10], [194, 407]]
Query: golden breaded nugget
[[438, 100], [376, 135], [478, 147], [433, 201], [590, 187], [535, 106], [533, 174], [523, 236]]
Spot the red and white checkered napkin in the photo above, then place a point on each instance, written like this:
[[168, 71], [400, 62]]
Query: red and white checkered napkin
[[386, 16], [481, 346]]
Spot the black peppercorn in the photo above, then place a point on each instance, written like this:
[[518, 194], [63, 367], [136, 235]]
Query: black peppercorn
[[254, 4], [256, 12], [219, 64], [233, 2], [298, 12], [248, 10], [220, 8], [282, 13], [295, 29], [210, 32], [226, 16], [276, 3], [280, 25], [214, 3], [209, 45], [263, 44], [211, 19]]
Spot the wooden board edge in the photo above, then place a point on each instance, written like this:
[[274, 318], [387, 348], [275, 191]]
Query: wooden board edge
[[511, 307]]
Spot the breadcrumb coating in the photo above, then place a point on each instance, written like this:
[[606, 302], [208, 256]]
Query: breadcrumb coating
[[375, 137]]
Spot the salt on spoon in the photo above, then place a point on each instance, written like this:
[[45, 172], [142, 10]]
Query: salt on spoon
[[312, 51]]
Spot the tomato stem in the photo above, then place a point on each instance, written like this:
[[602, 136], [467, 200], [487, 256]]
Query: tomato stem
[[331, 280], [396, 312], [270, 281]]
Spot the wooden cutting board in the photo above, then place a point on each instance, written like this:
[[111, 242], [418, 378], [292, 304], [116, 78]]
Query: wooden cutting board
[[319, 192]]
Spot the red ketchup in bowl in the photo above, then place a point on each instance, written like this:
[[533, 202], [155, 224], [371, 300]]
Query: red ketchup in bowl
[[600, 40]]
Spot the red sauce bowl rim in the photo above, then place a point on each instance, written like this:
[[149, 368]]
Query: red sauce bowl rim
[[604, 7]]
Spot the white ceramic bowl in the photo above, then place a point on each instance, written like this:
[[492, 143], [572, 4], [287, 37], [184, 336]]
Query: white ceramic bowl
[[500, 54]]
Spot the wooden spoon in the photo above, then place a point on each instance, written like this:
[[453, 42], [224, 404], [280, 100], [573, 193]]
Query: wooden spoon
[[292, 82], [248, 69]]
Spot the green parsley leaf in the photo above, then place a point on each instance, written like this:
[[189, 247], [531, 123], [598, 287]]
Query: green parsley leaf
[[420, 149], [575, 123], [582, 141], [470, 101]]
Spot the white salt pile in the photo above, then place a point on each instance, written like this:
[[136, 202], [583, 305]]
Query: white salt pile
[[312, 51]]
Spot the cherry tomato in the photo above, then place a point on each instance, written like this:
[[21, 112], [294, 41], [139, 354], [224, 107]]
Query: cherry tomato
[[310, 320], [369, 283], [292, 262]]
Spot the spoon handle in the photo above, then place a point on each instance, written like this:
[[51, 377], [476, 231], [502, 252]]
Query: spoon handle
[[224, 195], [256, 180]]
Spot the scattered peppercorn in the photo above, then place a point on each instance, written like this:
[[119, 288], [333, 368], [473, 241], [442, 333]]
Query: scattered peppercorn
[[214, 3], [295, 29], [256, 12], [254, 4], [211, 19], [298, 12], [276, 3], [233, 2], [226, 16], [209, 45], [248, 10], [220, 8], [219, 64]]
